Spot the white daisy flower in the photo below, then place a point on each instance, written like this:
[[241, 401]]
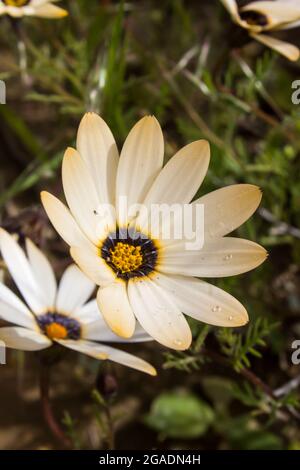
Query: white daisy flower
[[56, 314], [40, 8], [142, 276], [261, 17]]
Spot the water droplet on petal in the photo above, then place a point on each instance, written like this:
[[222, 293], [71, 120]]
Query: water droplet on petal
[[216, 309], [230, 317], [227, 257], [178, 342]]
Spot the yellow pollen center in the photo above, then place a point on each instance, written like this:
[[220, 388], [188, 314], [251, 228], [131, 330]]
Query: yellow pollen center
[[15, 3], [126, 258], [56, 331]]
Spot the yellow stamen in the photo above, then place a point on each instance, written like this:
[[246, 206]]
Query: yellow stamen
[[126, 258], [56, 331]]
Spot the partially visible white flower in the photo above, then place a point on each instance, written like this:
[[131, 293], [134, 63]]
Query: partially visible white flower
[[40, 8], [263, 16], [56, 314]]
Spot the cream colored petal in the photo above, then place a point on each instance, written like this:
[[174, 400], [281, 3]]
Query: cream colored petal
[[35, 3], [88, 313], [102, 352], [232, 8], [178, 181], [86, 347], [140, 162], [75, 288], [93, 265], [286, 26], [16, 337], [218, 258], [158, 314], [276, 12], [95, 328], [203, 301], [115, 307], [171, 223], [98, 149], [15, 12], [182, 176], [21, 272], [49, 11], [13, 310], [82, 197], [286, 49], [129, 360], [227, 208], [42, 272], [99, 331], [63, 221]]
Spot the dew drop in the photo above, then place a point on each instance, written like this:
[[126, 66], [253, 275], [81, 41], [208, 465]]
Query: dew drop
[[216, 308], [178, 342], [230, 317], [227, 257]]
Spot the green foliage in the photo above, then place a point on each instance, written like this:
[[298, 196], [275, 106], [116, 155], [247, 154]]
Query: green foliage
[[193, 360], [239, 347], [179, 415], [245, 434], [71, 431]]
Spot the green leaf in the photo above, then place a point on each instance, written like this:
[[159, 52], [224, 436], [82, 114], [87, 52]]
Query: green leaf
[[180, 415]]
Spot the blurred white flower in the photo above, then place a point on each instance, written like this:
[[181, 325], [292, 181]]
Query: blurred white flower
[[40, 8], [56, 314], [261, 17]]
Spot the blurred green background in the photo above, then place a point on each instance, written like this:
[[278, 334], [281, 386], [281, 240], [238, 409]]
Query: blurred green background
[[180, 61]]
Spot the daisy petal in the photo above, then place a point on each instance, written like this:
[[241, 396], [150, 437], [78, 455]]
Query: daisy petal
[[158, 315], [88, 313], [42, 272], [294, 24], [227, 208], [140, 162], [178, 181], [203, 301], [102, 352], [49, 11], [232, 8], [98, 149], [218, 258], [276, 12], [129, 360], [15, 12], [182, 176], [82, 197], [13, 310], [75, 288], [63, 221], [95, 328], [286, 49], [16, 337], [86, 347], [21, 272], [35, 3], [114, 305], [93, 265]]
